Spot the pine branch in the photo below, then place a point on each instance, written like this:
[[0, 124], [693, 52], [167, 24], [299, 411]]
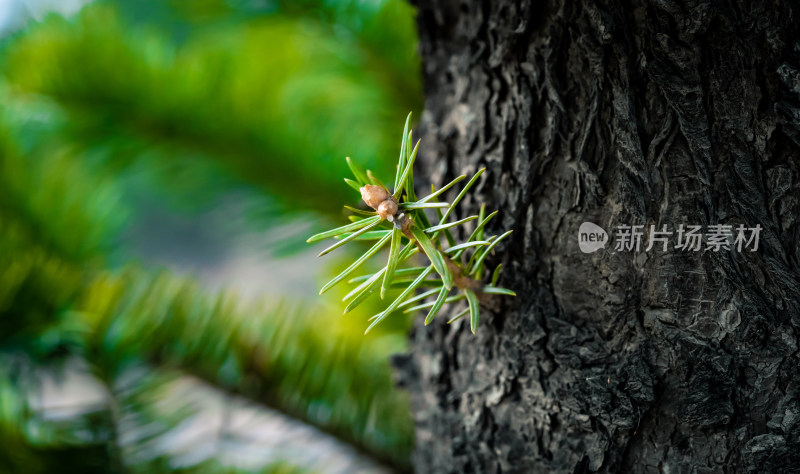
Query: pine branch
[[406, 214]]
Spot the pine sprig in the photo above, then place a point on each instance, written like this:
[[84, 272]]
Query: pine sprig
[[399, 218]]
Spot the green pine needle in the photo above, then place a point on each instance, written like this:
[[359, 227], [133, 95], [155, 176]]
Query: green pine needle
[[350, 237], [360, 212], [355, 265], [493, 290], [419, 297], [400, 284], [371, 235], [424, 205], [460, 247], [409, 184], [449, 299], [437, 305], [449, 225], [461, 195], [352, 184], [361, 178], [472, 299], [434, 255], [365, 289], [365, 292], [341, 230], [381, 316], [477, 234], [404, 177], [357, 291], [485, 252], [394, 253], [448, 235], [435, 194], [458, 316], [414, 271], [496, 274], [401, 164]]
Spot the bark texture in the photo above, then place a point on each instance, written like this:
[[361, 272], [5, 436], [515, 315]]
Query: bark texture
[[628, 112]]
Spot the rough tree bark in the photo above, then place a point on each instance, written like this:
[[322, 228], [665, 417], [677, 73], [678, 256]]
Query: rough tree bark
[[629, 112]]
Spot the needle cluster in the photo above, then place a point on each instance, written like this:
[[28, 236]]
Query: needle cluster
[[398, 218]]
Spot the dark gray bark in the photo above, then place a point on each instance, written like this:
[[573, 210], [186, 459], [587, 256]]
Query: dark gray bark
[[629, 112]]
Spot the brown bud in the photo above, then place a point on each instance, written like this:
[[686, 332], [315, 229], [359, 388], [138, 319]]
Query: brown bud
[[374, 195], [387, 209]]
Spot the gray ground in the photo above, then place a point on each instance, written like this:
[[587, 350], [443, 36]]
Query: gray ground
[[230, 429]]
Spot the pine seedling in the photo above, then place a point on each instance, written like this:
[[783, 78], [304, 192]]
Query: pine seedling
[[398, 219]]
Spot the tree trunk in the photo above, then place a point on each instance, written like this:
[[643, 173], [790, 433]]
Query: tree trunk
[[617, 113]]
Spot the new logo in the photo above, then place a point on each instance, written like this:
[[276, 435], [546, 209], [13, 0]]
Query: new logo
[[591, 237]]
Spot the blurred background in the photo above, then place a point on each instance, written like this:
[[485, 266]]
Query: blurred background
[[161, 164]]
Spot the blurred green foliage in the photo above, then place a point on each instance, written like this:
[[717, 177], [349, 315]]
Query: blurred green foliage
[[183, 100], [272, 97]]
